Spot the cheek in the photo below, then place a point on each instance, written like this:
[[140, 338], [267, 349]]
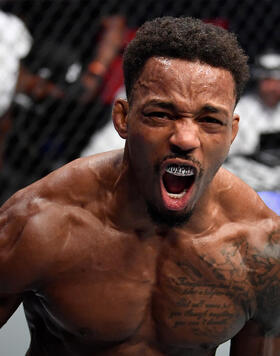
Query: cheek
[[218, 150], [144, 141], [139, 153], [137, 144], [146, 150], [143, 161], [222, 141], [222, 145]]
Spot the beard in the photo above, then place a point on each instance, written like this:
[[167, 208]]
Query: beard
[[168, 218]]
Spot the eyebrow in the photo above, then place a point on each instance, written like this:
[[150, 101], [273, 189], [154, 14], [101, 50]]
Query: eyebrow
[[162, 104], [213, 109], [170, 106]]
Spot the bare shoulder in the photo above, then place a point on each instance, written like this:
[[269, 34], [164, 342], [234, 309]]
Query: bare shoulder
[[238, 200], [36, 222], [83, 179], [262, 259], [259, 245], [76, 183]]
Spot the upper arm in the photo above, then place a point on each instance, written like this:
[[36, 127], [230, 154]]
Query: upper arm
[[265, 277], [262, 332], [12, 225], [24, 249]]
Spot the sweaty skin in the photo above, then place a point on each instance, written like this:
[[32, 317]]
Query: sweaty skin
[[98, 276]]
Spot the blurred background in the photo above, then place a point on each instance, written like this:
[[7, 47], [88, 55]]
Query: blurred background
[[65, 57], [60, 71]]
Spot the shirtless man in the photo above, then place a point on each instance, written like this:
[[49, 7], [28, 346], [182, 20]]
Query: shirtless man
[[156, 250]]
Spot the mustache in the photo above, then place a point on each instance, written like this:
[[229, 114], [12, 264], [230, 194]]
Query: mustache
[[185, 156]]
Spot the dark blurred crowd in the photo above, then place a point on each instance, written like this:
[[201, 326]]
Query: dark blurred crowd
[[61, 69]]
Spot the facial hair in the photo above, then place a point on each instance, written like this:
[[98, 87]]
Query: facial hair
[[168, 218]]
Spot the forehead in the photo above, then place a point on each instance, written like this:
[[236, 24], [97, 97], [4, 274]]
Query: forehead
[[182, 79]]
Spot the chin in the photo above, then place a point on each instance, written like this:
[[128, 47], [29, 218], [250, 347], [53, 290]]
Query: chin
[[168, 218]]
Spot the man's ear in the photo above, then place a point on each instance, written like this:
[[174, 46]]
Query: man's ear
[[235, 124], [120, 116]]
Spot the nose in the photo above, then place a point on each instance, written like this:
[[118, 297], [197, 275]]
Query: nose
[[185, 136]]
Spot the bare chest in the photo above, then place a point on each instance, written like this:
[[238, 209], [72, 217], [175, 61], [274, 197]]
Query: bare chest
[[173, 298]]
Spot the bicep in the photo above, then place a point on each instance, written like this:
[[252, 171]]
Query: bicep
[[30, 245], [14, 251], [20, 256], [261, 335]]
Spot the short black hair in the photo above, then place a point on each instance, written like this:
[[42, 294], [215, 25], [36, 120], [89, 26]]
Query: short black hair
[[186, 38]]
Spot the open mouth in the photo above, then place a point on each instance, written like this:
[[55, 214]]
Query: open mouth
[[177, 181]]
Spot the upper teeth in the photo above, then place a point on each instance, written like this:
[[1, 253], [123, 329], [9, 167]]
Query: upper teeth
[[179, 170]]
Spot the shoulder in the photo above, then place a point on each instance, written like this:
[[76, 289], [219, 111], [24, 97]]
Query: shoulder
[[255, 231], [71, 186], [258, 239], [262, 259], [39, 221], [76, 183], [238, 201], [81, 180]]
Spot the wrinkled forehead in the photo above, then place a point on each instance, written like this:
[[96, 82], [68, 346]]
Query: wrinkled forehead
[[193, 80]]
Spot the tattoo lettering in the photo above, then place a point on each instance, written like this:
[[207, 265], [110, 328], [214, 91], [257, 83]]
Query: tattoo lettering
[[218, 297], [203, 308]]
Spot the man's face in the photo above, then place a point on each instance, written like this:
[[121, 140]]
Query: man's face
[[179, 129]]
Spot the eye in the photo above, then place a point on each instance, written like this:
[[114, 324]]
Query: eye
[[211, 120], [157, 114]]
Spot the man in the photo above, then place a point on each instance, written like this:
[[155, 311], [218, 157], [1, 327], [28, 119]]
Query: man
[[156, 250]]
